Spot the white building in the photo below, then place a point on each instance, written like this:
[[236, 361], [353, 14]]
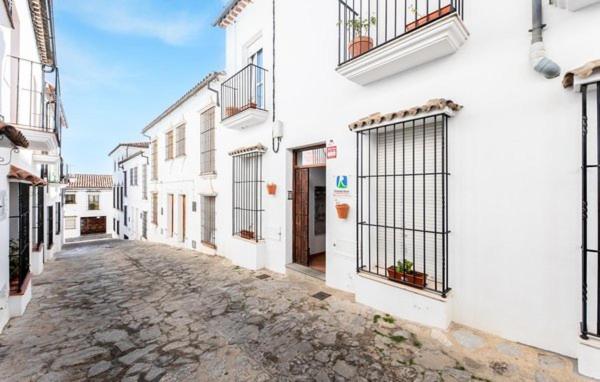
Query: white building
[[31, 168], [129, 163], [485, 200], [88, 206], [183, 174]]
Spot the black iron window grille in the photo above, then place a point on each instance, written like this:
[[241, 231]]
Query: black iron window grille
[[19, 240], [208, 220], [247, 195], [243, 91], [155, 208], [50, 230], [145, 182], [169, 145], [125, 216], [145, 224], [367, 24], [38, 218], [154, 154], [58, 218], [402, 202], [180, 140], [207, 142], [125, 182], [590, 199]]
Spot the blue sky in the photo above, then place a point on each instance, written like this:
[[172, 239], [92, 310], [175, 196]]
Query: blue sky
[[123, 62]]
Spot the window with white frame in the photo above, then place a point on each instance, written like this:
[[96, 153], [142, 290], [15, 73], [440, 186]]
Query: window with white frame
[[70, 199], [93, 202]]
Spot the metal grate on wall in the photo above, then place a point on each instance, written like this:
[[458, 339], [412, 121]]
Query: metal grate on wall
[[402, 202], [208, 220], [247, 207], [207, 142]]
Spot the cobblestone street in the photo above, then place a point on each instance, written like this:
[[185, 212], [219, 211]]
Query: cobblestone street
[[135, 311]]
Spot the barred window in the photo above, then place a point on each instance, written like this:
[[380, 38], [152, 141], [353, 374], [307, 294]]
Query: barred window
[[155, 208], [208, 220], [402, 196], [180, 145], [247, 195], [207, 142], [145, 182], [93, 202], [125, 182], [125, 216], [145, 224], [70, 222], [154, 153], [169, 145], [70, 199]]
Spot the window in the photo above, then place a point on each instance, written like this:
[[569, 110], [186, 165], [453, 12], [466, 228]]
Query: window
[[114, 198], [169, 145], [58, 219], [145, 182], [402, 193], [125, 216], [180, 146], [70, 222], [154, 208], [207, 142], [170, 214], [257, 59], [208, 220], [118, 226], [70, 199], [93, 202], [247, 195], [125, 182], [154, 154], [145, 224], [121, 198]]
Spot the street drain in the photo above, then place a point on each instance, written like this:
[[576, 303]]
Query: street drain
[[263, 277], [321, 295]]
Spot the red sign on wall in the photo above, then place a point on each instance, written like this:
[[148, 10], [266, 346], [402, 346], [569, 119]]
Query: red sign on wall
[[331, 152]]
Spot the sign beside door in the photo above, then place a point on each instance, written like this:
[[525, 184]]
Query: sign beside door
[[331, 150], [341, 186]]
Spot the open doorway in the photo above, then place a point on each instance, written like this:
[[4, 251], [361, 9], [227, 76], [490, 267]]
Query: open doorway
[[309, 247]]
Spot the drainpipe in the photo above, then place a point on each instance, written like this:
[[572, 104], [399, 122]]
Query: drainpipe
[[537, 53], [214, 91]]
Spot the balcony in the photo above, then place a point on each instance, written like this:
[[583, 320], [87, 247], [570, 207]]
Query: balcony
[[380, 38], [243, 101], [34, 101]]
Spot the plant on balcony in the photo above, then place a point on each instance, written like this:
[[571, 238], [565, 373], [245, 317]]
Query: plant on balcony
[[404, 273], [422, 20], [359, 29]]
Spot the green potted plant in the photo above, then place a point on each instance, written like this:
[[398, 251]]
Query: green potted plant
[[359, 32], [404, 273]]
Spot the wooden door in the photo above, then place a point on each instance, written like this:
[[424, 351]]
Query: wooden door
[[301, 179], [93, 225]]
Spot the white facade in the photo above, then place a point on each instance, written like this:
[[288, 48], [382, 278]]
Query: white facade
[[513, 152], [185, 185], [87, 209], [136, 202], [28, 103]]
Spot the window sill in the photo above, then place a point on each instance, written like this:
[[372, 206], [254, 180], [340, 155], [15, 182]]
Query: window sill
[[438, 39]]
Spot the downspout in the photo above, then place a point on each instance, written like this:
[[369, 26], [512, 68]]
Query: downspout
[[537, 53], [214, 91]]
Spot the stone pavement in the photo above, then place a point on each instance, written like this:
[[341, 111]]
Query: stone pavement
[[135, 311]]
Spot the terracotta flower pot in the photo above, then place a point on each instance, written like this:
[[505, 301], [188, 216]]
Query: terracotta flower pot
[[249, 105], [247, 234], [359, 45], [231, 111], [342, 210], [429, 18], [271, 188], [412, 278]]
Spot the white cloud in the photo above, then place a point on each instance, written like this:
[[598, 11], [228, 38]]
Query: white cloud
[[135, 17]]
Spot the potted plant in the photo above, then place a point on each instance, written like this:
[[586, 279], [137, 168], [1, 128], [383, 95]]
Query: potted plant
[[342, 210], [231, 111], [271, 188], [247, 234], [422, 20], [403, 273], [359, 30]]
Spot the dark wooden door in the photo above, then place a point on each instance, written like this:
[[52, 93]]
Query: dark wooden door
[[301, 179], [93, 225]]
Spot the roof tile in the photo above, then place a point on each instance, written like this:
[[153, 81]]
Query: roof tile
[[78, 181]]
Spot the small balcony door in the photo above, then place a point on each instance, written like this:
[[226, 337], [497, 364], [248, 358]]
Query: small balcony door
[[257, 59]]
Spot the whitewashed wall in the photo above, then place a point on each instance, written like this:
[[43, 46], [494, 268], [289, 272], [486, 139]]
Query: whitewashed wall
[[135, 201], [80, 209], [514, 156]]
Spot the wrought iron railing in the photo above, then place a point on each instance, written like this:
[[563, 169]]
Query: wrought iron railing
[[243, 91], [590, 257], [364, 25], [247, 196], [402, 203], [19, 241]]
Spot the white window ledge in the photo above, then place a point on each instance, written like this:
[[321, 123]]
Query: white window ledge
[[438, 39], [574, 5], [246, 118]]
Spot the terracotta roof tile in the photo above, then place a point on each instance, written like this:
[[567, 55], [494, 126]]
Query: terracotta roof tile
[[231, 11], [43, 36], [258, 148], [90, 181], [17, 173], [14, 135], [582, 72], [431, 105], [142, 145]]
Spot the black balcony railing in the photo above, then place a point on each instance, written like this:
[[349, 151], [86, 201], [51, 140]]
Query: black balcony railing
[[19, 241], [590, 204], [243, 91], [367, 24]]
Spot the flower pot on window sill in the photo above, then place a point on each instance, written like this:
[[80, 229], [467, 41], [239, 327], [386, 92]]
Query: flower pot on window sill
[[231, 111], [412, 278], [360, 45], [429, 18], [271, 188], [245, 234], [342, 210]]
